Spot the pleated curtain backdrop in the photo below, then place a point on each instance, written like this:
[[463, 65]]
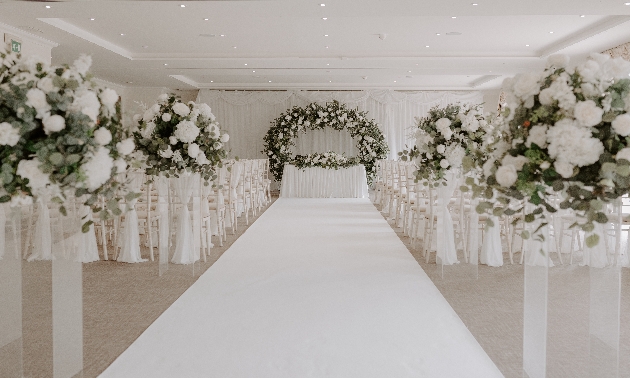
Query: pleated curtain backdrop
[[247, 115]]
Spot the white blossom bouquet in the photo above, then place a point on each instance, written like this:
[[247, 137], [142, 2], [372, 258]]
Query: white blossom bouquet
[[177, 137], [566, 130], [328, 160], [445, 139], [60, 135]]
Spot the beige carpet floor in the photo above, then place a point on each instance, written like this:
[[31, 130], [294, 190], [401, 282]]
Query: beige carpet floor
[[119, 302], [492, 309], [122, 300]]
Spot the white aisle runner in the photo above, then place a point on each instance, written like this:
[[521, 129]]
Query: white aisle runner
[[314, 288]]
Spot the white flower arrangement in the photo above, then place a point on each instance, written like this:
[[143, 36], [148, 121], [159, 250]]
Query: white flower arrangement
[[328, 160], [564, 130], [58, 134], [178, 137]]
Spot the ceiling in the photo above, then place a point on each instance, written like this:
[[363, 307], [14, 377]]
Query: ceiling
[[280, 44]]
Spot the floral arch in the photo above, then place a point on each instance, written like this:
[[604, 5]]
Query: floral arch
[[370, 141]]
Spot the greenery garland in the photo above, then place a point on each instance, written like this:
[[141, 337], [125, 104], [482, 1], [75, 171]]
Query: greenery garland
[[369, 138], [328, 160]]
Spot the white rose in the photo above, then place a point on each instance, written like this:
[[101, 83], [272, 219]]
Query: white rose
[[36, 98], [162, 98], [102, 136], [545, 165], [54, 124], [46, 85], [98, 168], [538, 136], [506, 175], [166, 117], [225, 138], [440, 148], [120, 164], [444, 163], [564, 169], [86, 102], [621, 124], [623, 154], [181, 109], [617, 68], [125, 147], [172, 140], [9, 135], [526, 85], [186, 131], [193, 150], [558, 61], [546, 96], [587, 113], [29, 169], [109, 97], [442, 123]]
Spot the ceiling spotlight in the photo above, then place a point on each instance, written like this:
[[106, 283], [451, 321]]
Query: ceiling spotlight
[[326, 46], [166, 64], [182, 6], [234, 47], [328, 64], [270, 81], [330, 81], [91, 19], [550, 32], [47, 6], [222, 35], [437, 33], [245, 63], [624, 3], [254, 71], [526, 45], [409, 71], [394, 81], [582, 16], [205, 19], [426, 46], [324, 18], [322, 5], [454, 17], [212, 81], [122, 33], [325, 35]]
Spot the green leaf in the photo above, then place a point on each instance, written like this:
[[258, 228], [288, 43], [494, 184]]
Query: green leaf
[[5, 198], [601, 218], [592, 240], [525, 235], [86, 226], [62, 210], [529, 218], [73, 159]]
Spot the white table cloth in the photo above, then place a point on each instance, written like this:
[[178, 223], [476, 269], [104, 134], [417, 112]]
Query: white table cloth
[[318, 182]]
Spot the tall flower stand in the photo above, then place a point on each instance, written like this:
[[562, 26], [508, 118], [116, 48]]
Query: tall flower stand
[[64, 290]]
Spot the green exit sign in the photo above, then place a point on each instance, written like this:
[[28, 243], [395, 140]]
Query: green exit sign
[[16, 46]]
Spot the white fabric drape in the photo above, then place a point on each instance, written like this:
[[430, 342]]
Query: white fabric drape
[[130, 248], [596, 257], [316, 182], [42, 242], [445, 248], [185, 245], [161, 184], [3, 222], [537, 247], [246, 115], [491, 252], [89, 251]]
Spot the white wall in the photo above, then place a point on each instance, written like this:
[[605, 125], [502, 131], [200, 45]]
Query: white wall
[[32, 45]]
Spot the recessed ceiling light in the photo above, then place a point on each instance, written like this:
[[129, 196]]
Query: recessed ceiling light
[[550, 32], [254, 71], [206, 19], [526, 45], [426, 46], [222, 35], [234, 47], [324, 18], [166, 64], [145, 47], [409, 71], [91, 19], [437, 33], [475, 4], [182, 6], [582, 16], [245, 63], [47, 6], [325, 35], [270, 81], [330, 81], [454, 17], [624, 3], [328, 64], [122, 33], [394, 81], [322, 5], [212, 81], [326, 46]]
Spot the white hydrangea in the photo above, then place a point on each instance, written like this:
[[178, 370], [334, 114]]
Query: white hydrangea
[[488, 167], [82, 64], [186, 131], [202, 159], [538, 136], [148, 130], [225, 138], [98, 168], [624, 153], [517, 161], [177, 157], [172, 140], [148, 115], [440, 148], [526, 85], [621, 124], [162, 98], [455, 155], [444, 163], [573, 144], [470, 123], [506, 175], [587, 113], [181, 109], [37, 180], [121, 165], [166, 117], [590, 71], [563, 168], [46, 85], [86, 102], [125, 147], [36, 99], [205, 111], [168, 153], [109, 98], [443, 125], [9, 135], [102, 136]]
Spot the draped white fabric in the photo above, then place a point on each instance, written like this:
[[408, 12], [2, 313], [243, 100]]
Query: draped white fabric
[[42, 242], [3, 222], [596, 256], [537, 248], [161, 184], [491, 252], [446, 251], [130, 248], [316, 182], [89, 252], [246, 115], [185, 252]]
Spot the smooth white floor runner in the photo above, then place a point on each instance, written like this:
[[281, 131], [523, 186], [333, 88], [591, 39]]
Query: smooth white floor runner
[[314, 288]]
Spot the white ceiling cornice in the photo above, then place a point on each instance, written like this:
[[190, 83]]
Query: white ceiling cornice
[[84, 34], [28, 36], [606, 24]]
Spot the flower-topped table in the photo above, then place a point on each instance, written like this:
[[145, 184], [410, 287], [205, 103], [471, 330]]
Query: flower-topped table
[[324, 175]]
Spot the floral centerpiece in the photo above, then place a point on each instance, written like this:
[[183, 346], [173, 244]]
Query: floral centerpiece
[[369, 139], [445, 139], [60, 135], [328, 160], [566, 130], [178, 137]]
